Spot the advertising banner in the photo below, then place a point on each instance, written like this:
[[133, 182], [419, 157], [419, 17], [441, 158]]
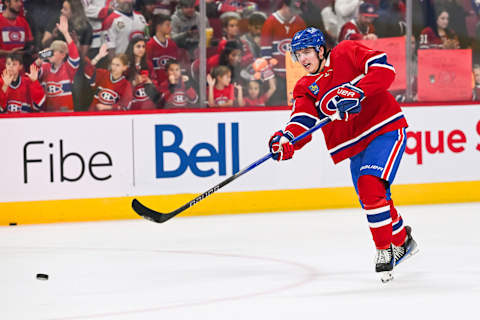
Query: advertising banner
[[65, 158], [176, 153]]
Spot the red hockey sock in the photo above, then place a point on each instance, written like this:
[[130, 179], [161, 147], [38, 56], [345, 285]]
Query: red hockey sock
[[398, 230], [372, 194]]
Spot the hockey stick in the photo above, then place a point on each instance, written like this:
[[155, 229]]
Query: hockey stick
[[160, 217]]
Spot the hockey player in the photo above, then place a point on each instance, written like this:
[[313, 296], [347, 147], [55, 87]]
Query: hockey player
[[349, 85], [20, 93]]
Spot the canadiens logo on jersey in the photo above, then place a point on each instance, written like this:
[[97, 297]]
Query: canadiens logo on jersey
[[160, 62], [107, 96], [53, 89], [13, 35], [282, 46], [14, 106], [179, 99], [140, 94], [328, 103]]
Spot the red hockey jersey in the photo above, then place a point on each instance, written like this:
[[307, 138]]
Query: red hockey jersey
[[15, 34], [276, 37], [221, 97], [22, 96], [58, 83], [367, 69], [258, 102], [179, 97], [158, 53], [117, 94]]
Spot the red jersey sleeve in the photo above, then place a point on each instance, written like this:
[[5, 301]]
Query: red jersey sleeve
[[304, 113], [37, 94], [73, 60]]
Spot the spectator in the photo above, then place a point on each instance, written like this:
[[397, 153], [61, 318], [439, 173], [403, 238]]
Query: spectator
[[80, 29], [15, 31], [122, 25], [252, 37], [40, 14], [146, 95], [457, 16], [231, 57], [160, 47], [221, 93], [56, 75], [254, 96], [113, 90], [276, 36], [231, 31], [391, 19], [360, 28], [177, 90], [81, 32], [476, 87], [97, 11], [439, 35], [20, 93], [331, 21], [185, 24], [346, 10]]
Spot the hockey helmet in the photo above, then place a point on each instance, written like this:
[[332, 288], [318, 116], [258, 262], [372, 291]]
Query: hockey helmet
[[307, 38]]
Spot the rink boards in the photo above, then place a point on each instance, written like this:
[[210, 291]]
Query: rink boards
[[84, 167]]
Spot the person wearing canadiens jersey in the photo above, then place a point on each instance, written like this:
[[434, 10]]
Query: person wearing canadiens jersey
[[349, 85]]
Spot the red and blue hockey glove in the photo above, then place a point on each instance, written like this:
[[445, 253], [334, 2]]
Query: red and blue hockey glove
[[280, 146], [341, 102]]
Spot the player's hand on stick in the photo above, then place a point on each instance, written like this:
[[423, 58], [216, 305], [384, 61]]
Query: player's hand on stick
[[341, 102], [280, 146]]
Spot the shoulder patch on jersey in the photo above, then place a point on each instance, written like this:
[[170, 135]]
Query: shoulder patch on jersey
[[314, 88]]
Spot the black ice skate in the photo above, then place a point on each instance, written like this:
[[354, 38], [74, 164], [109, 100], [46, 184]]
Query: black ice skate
[[408, 249], [384, 263]]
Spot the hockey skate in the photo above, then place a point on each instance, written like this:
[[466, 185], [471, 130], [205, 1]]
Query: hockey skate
[[408, 249], [384, 263]]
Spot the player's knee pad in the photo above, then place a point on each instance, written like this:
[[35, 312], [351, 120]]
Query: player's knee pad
[[372, 192]]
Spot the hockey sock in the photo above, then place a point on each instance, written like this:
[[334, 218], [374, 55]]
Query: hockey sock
[[372, 194], [398, 230]]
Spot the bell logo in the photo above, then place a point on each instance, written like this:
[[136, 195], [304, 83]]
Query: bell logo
[[191, 158]]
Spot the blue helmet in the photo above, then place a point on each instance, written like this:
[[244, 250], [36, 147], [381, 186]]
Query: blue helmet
[[308, 38]]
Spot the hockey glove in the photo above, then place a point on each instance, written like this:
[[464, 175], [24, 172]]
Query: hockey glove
[[280, 146], [341, 102]]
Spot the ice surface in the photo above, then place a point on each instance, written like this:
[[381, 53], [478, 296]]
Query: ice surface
[[296, 265]]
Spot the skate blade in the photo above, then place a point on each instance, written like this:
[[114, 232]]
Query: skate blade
[[413, 252], [386, 276]]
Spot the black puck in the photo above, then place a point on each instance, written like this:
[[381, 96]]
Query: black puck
[[42, 276]]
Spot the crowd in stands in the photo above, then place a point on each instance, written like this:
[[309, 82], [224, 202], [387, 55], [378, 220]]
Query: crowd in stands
[[77, 55]]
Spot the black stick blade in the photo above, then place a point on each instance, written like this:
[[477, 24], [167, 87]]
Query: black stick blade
[[148, 213]]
